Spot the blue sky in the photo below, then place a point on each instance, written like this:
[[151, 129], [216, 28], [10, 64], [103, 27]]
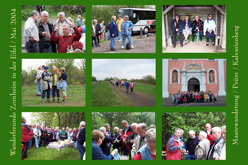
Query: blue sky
[[123, 68]]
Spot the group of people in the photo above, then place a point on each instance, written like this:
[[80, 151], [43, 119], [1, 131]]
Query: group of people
[[197, 97], [208, 145], [197, 28], [121, 28], [51, 83], [120, 83], [134, 140], [62, 36], [38, 136]]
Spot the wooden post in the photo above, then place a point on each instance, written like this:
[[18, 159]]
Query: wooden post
[[104, 36], [223, 38], [140, 32], [163, 30]]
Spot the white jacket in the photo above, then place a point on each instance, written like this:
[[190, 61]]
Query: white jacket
[[137, 145], [209, 25]]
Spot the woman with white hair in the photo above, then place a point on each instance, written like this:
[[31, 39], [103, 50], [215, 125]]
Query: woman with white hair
[[201, 150], [126, 31], [148, 151], [113, 30]]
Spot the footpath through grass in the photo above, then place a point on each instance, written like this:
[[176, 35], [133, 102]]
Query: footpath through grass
[[75, 97], [104, 95], [43, 153], [145, 88]]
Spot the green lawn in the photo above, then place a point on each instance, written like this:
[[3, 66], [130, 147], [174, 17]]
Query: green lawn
[[75, 97], [145, 88], [103, 95], [45, 154]]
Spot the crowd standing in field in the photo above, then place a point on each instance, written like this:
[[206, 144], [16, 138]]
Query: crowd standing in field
[[58, 37], [37, 136], [210, 144], [133, 142]]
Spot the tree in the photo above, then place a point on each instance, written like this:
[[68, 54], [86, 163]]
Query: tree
[[93, 78]]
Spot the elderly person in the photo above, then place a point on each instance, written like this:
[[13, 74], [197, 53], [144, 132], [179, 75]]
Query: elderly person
[[174, 146], [63, 134], [62, 84], [113, 31], [54, 85], [60, 22], [46, 84], [83, 34], [209, 133], [186, 28], [177, 28], [56, 134], [119, 22], [70, 134], [201, 150], [81, 139], [25, 137], [45, 31], [126, 31], [223, 150], [97, 154], [132, 136], [209, 29], [126, 131], [148, 151], [65, 41], [37, 134], [78, 21], [38, 79], [107, 139], [140, 140], [216, 147], [31, 33], [197, 27], [117, 136], [97, 32], [191, 143]]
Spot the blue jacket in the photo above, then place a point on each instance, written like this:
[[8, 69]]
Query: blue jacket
[[113, 29], [81, 136], [125, 28], [145, 153], [184, 24], [104, 145], [97, 153]]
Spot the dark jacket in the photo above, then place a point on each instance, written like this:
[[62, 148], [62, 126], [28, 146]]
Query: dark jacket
[[42, 38], [117, 145], [131, 137], [113, 29], [81, 136], [104, 145], [194, 25], [173, 25], [191, 144], [97, 153], [184, 24], [98, 28], [63, 76]]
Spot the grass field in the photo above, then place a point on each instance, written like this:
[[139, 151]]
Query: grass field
[[145, 88], [75, 97], [103, 95], [45, 154]]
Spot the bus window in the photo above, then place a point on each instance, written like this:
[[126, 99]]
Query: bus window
[[136, 19]]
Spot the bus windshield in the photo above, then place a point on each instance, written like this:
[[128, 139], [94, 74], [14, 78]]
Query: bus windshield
[[128, 12]]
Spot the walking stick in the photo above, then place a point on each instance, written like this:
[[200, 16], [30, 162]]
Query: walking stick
[[197, 40]]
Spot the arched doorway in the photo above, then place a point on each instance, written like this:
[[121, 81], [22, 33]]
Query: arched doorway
[[194, 85]]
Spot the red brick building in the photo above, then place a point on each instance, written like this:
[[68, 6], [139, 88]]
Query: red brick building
[[194, 75]]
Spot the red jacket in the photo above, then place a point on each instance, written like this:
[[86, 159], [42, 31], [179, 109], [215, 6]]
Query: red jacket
[[25, 131], [65, 41], [131, 85], [128, 132], [210, 138], [174, 155]]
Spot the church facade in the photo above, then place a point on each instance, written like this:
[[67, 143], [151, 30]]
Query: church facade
[[182, 75]]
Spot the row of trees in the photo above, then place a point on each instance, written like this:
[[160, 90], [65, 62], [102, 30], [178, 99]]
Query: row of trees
[[148, 79], [105, 12], [75, 72], [61, 119], [70, 10], [114, 119], [189, 121]]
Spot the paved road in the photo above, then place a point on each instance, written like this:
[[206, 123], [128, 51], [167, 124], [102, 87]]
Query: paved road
[[139, 99], [221, 102], [141, 45]]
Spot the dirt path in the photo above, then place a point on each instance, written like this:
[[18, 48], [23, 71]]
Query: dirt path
[[139, 99], [142, 45], [194, 48]]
